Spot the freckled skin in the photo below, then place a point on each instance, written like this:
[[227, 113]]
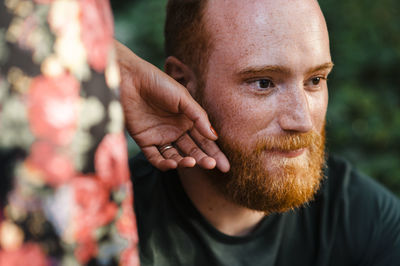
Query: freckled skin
[[289, 34], [285, 33]]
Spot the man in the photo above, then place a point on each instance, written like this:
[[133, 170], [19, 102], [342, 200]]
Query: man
[[259, 68]]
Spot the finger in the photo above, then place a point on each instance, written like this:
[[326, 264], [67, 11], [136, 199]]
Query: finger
[[188, 147], [173, 154], [187, 162], [157, 160], [212, 150], [189, 107]]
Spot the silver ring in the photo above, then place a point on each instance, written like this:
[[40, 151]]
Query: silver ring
[[164, 148]]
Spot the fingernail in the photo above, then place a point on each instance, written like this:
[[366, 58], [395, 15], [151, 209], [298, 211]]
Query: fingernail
[[213, 131]]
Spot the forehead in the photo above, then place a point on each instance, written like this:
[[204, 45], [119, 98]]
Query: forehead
[[276, 30]]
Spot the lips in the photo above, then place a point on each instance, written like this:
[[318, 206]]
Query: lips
[[287, 153]]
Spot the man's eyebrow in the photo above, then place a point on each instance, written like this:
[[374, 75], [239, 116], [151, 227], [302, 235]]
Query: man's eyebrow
[[326, 66], [261, 70]]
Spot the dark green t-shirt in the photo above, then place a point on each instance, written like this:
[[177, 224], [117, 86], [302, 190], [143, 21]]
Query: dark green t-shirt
[[352, 221]]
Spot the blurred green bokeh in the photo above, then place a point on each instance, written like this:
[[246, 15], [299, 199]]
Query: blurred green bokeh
[[363, 121]]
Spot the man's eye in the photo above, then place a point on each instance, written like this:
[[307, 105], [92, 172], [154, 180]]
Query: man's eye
[[261, 86], [316, 80], [265, 84]]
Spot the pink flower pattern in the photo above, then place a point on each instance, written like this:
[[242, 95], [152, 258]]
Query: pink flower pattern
[[96, 205], [110, 162], [97, 31], [28, 254], [55, 167], [53, 108]]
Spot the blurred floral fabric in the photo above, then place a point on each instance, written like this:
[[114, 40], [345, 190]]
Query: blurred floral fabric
[[66, 196]]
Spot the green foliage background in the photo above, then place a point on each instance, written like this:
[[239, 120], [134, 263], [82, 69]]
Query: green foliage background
[[363, 121]]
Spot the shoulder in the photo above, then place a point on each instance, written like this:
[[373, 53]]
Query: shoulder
[[367, 213], [346, 183]]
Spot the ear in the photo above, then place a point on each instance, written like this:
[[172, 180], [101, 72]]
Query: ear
[[181, 73]]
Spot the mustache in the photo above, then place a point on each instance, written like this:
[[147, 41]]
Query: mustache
[[288, 142]]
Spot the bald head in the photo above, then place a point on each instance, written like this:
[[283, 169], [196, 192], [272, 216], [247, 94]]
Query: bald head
[[192, 25], [256, 26]]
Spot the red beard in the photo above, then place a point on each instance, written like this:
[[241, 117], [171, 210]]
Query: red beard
[[262, 180]]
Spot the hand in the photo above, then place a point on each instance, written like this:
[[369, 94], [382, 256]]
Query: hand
[[158, 111]]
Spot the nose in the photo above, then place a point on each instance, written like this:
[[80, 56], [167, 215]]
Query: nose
[[295, 113]]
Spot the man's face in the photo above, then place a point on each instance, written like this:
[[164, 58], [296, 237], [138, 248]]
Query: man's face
[[265, 91]]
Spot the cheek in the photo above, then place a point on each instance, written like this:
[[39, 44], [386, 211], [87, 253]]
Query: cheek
[[238, 117], [318, 103], [225, 112]]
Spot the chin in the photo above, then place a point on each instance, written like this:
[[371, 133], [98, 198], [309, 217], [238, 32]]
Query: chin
[[268, 181]]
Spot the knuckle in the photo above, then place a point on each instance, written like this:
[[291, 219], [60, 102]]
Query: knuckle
[[181, 139], [155, 161], [193, 151], [175, 157], [215, 154], [152, 157], [204, 143]]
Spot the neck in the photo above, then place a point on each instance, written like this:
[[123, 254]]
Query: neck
[[227, 217]]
